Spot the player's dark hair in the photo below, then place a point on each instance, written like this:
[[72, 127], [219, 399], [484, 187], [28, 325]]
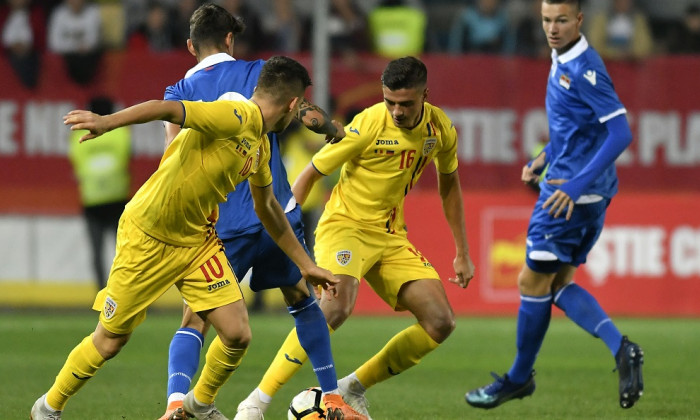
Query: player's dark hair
[[405, 73], [576, 3], [283, 77], [210, 24]]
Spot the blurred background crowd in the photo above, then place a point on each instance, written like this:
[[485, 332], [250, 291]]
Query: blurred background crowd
[[81, 30]]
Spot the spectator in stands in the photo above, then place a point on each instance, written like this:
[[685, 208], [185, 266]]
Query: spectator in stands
[[74, 32], [480, 28], [283, 27], [253, 38], [155, 34], [530, 40], [685, 36], [397, 29], [347, 25], [102, 170], [180, 20], [23, 38], [136, 12], [622, 32]]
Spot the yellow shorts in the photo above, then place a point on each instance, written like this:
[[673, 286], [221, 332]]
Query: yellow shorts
[[144, 268], [386, 261]]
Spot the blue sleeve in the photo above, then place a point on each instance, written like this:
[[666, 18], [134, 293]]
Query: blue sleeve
[[596, 89], [174, 92], [619, 137]]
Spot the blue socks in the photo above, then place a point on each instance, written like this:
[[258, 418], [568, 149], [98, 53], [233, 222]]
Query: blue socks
[[183, 359], [533, 321], [582, 308], [312, 331]]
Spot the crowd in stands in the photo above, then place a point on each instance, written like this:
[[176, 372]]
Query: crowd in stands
[[81, 30]]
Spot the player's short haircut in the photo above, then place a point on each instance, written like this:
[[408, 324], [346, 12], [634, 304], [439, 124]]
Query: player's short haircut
[[283, 78], [576, 3], [405, 73], [210, 24]]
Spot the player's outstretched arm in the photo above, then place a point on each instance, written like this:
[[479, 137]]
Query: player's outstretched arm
[[305, 182], [453, 207], [273, 218], [318, 121], [171, 111]]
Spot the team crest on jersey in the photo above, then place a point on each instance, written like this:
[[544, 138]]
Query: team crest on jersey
[[565, 81], [343, 257], [429, 145], [110, 308]]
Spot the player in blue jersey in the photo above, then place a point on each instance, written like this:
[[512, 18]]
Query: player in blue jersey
[[588, 130], [247, 245]]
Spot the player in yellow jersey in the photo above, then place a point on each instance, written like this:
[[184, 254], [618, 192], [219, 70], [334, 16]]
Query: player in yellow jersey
[[166, 235], [362, 233]]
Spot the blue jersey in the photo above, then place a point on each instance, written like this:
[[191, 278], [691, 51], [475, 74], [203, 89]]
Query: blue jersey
[[219, 76], [580, 99]]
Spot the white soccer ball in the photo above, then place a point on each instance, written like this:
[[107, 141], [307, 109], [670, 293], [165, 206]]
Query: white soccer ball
[[307, 405]]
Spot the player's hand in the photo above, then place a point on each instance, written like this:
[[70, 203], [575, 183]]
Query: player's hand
[[86, 120], [529, 176], [318, 276], [340, 133], [464, 271], [559, 201]]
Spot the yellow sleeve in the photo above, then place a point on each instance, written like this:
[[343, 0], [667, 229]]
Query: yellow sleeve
[[220, 119], [262, 177], [446, 160], [359, 134]]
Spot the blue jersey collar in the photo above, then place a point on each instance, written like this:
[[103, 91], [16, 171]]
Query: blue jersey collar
[[575, 51], [209, 61]]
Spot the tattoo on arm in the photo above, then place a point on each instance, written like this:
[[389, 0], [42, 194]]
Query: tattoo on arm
[[315, 119]]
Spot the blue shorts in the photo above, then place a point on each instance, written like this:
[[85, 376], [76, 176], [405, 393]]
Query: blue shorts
[[271, 266], [552, 242]]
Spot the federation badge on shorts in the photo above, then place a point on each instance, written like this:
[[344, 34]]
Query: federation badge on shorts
[[110, 308], [429, 145], [343, 257]]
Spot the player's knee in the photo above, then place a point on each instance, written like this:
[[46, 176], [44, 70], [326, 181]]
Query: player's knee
[[108, 348], [337, 314], [236, 337], [442, 326]]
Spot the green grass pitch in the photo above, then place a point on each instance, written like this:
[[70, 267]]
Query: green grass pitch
[[574, 371]]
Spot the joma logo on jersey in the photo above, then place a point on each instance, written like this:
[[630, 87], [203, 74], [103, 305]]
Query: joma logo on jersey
[[246, 144], [218, 285], [386, 142]]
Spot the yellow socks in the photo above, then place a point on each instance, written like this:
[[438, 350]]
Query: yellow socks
[[288, 360], [81, 365], [404, 350], [221, 362]]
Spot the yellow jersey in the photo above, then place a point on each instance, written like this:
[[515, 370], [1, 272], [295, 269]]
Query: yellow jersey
[[382, 162], [221, 145]]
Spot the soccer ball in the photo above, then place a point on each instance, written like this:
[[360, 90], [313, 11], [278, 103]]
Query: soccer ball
[[307, 405]]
